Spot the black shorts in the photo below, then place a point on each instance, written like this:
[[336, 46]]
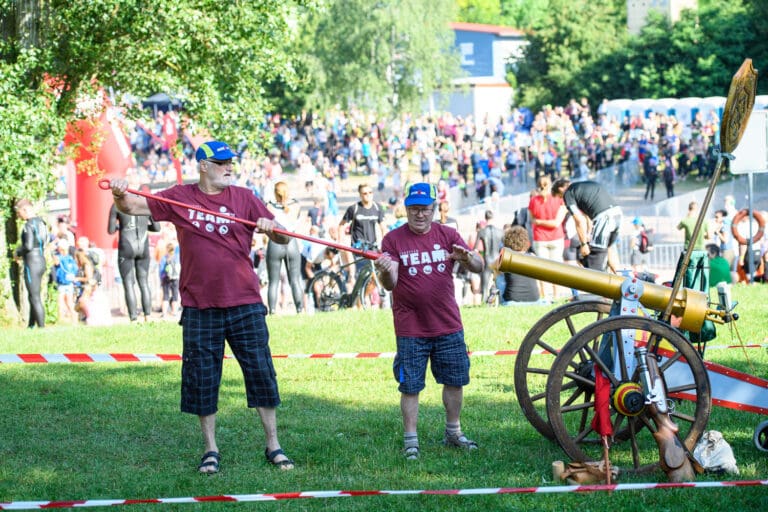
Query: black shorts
[[204, 332]]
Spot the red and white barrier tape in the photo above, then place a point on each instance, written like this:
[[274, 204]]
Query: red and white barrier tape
[[154, 358], [35, 505]]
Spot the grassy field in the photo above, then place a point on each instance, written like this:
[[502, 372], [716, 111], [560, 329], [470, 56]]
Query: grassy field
[[113, 430]]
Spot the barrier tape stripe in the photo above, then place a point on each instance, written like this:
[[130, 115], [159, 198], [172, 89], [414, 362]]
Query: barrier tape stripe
[[35, 505], [147, 358]]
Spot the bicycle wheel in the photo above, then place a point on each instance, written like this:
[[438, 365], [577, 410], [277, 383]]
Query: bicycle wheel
[[369, 295], [538, 350], [571, 385], [327, 289]]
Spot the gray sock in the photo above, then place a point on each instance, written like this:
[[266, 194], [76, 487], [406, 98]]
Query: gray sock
[[453, 429], [411, 440]]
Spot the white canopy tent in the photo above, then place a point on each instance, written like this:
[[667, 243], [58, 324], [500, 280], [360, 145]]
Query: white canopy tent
[[641, 107], [618, 109], [686, 108], [710, 105], [664, 106]]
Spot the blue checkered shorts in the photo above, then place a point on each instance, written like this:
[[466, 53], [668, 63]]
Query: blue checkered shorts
[[446, 354], [204, 332]]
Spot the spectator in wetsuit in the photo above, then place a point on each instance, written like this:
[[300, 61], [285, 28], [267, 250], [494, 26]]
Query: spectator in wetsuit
[[592, 205], [34, 237], [133, 257], [490, 240]]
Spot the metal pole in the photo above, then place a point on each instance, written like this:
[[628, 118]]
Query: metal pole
[[749, 255]]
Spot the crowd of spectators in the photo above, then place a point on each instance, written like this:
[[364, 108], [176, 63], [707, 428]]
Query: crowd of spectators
[[481, 158]]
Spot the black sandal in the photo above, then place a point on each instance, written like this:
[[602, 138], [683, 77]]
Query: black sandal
[[205, 465], [285, 464]]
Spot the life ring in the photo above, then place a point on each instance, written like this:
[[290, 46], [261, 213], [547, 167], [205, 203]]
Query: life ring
[[740, 216]]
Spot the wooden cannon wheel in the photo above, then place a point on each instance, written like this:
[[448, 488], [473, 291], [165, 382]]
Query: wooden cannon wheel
[[571, 385], [538, 350]]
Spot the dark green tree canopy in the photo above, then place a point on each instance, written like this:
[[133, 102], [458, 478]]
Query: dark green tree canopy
[[214, 56]]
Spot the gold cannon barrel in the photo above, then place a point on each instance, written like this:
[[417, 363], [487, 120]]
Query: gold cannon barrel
[[690, 305]]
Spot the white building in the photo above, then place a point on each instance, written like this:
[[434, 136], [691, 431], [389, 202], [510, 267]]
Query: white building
[[637, 11]]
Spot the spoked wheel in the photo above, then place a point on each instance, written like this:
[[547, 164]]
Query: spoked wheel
[[538, 350], [363, 299], [761, 437], [571, 386], [327, 290]]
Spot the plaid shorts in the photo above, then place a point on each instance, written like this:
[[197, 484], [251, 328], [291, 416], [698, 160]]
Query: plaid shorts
[[204, 333], [446, 354]]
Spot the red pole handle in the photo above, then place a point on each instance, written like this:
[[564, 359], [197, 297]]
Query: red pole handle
[[104, 184]]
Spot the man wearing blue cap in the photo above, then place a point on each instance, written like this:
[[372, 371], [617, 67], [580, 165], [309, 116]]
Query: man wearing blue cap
[[219, 292], [416, 265]]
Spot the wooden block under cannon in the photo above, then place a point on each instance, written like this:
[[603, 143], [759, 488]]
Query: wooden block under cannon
[[690, 305]]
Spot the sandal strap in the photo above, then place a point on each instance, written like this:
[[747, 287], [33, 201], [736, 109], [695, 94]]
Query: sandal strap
[[205, 464], [460, 439], [271, 457], [208, 455]]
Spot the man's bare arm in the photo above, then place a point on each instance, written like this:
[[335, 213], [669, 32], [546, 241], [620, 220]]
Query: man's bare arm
[[125, 202]]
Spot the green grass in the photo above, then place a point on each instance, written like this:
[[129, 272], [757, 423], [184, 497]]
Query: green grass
[[113, 431]]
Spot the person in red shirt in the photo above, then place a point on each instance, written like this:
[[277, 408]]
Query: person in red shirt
[[416, 265], [547, 215], [219, 293]]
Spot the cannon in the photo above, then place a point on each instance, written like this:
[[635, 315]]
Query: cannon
[[557, 395], [690, 306]]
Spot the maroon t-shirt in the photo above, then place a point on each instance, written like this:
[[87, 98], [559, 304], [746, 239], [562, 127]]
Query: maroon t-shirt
[[423, 302], [216, 267]]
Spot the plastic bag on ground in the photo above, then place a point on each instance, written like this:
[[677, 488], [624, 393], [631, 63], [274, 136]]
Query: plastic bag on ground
[[715, 454]]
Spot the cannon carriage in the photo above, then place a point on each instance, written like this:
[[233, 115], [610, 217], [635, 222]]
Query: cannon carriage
[[555, 368], [630, 351], [558, 400]]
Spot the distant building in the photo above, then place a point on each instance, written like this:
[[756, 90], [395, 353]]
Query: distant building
[[486, 51], [637, 11]]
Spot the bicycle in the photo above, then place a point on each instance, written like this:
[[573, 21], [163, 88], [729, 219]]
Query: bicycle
[[328, 288]]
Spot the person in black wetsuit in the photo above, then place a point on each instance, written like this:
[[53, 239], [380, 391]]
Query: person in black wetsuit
[[34, 238], [490, 241], [592, 205], [133, 257]]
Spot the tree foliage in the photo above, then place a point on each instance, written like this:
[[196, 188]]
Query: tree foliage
[[563, 46], [585, 51], [520, 14], [696, 56], [214, 56], [385, 56]]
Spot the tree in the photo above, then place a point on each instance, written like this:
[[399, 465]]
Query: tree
[[386, 56], [520, 14], [695, 56], [563, 46], [214, 56]]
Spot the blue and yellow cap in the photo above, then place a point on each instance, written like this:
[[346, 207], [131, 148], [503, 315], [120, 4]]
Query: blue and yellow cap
[[214, 149], [420, 194]]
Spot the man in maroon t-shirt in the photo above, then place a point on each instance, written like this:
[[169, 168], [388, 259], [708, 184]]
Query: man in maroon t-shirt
[[416, 265], [219, 292]]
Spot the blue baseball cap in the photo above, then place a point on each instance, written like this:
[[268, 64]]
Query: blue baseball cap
[[420, 194], [214, 150]]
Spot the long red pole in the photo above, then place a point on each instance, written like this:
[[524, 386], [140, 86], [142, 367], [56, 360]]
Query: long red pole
[[104, 184]]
